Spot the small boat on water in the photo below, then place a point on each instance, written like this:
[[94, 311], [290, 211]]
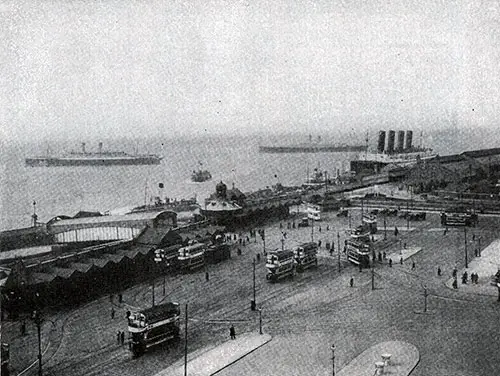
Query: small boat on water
[[201, 175], [183, 205]]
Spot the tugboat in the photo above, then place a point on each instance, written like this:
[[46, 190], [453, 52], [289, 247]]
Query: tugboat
[[201, 175]]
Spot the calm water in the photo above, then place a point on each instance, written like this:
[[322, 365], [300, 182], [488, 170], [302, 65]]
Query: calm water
[[67, 190]]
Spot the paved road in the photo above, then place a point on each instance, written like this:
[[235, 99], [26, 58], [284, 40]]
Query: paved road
[[458, 335]]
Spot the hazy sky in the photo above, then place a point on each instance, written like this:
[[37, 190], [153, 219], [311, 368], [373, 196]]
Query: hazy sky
[[132, 68]]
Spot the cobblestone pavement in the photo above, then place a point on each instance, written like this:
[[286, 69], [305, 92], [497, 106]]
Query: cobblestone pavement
[[457, 335]]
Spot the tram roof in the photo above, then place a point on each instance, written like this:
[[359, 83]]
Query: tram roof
[[160, 310]]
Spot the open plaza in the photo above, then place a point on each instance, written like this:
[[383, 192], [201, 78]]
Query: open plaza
[[402, 303]]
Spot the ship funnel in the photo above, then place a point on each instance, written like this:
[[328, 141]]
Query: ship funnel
[[390, 142], [83, 148], [401, 141], [409, 137], [381, 142], [100, 147]]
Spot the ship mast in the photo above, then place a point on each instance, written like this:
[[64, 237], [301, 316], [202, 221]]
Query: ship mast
[[366, 149]]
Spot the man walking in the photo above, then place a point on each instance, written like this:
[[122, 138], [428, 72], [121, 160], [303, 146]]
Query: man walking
[[232, 332]]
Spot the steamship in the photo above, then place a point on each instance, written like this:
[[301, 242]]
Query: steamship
[[402, 154], [99, 158]]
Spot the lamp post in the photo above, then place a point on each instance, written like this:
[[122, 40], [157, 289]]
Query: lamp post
[[260, 320], [312, 229], [186, 342], [34, 216], [338, 249], [465, 243], [385, 225], [253, 303], [333, 359], [37, 318]]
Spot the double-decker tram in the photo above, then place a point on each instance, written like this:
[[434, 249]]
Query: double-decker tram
[[305, 256], [192, 257], [152, 326], [370, 222], [279, 264], [358, 246], [458, 218]]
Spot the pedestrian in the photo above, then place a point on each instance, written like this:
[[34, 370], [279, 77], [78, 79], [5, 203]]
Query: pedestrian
[[232, 332], [401, 261], [390, 263], [23, 328], [319, 243], [239, 251], [281, 225], [351, 282], [327, 227], [122, 338], [118, 337], [240, 240], [396, 231], [288, 226], [454, 273], [473, 237], [128, 314], [258, 256], [293, 224], [464, 278], [476, 279], [380, 257], [112, 313], [207, 277], [413, 265], [384, 255], [248, 239], [455, 284], [331, 251], [439, 271], [319, 228], [404, 245]]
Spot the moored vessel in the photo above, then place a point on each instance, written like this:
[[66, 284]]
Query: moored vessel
[[99, 158]]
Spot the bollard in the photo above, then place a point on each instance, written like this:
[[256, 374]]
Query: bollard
[[379, 368], [386, 358]]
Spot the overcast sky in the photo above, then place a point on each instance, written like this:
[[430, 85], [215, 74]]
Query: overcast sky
[[83, 68]]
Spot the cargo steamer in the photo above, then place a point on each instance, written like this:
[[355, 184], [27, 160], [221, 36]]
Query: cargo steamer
[[312, 148]]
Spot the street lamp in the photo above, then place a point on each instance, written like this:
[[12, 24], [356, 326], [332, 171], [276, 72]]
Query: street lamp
[[333, 359], [37, 318], [338, 249], [260, 320], [252, 303]]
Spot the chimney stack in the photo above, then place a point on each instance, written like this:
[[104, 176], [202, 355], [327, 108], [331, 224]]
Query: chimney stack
[[401, 141], [390, 142], [381, 142], [409, 137]]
